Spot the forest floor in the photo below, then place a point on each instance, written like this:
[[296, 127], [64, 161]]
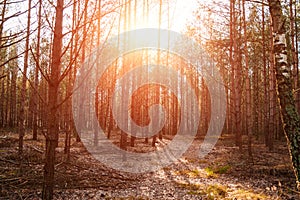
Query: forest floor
[[225, 173]]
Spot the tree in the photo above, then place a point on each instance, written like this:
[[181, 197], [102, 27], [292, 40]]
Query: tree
[[24, 81], [248, 122], [52, 120], [13, 66], [36, 74], [289, 114], [59, 70]]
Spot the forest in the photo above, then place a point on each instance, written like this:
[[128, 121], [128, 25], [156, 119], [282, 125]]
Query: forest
[[149, 99]]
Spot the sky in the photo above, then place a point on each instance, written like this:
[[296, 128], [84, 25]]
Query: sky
[[183, 12], [177, 11]]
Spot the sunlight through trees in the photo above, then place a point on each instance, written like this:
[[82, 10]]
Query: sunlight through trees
[[44, 46]]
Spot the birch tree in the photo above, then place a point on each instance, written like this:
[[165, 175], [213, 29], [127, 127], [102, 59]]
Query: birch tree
[[289, 114]]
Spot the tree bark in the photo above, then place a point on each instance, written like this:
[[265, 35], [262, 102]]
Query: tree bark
[[248, 85], [273, 98], [36, 74], [289, 114], [24, 80], [13, 89], [52, 120]]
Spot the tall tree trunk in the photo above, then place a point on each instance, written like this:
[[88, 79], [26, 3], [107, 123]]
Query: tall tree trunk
[[36, 74], [3, 12], [289, 114], [273, 100], [13, 88], [6, 107], [123, 139], [24, 80], [83, 53], [266, 102], [73, 57], [53, 123], [248, 85], [236, 74]]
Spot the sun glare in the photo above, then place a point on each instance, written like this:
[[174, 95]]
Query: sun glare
[[174, 15]]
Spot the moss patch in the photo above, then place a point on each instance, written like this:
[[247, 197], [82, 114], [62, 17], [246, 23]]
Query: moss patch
[[214, 191], [213, 171]]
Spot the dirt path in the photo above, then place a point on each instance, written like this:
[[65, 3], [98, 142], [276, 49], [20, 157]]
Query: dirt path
[[223, 174]]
